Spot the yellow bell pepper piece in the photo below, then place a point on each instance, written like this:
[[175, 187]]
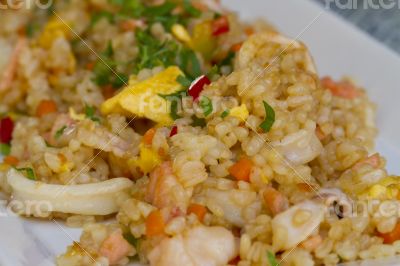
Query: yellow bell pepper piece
[[181, 34], [143, 98], [202, 39]]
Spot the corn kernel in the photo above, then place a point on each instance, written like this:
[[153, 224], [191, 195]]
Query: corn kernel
[[76, 116], [377, 191]]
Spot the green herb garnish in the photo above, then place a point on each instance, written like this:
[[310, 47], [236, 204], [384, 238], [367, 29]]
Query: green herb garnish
[[189, 8], [271, 259], [198, 122], [59, 132], [184, 81], [269, 118], [5, 149], [96, 17], [90, 113], [30, 174], [206, 105], [225, 113]]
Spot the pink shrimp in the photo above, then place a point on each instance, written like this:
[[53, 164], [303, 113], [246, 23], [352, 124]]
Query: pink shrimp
[[374, 160], [342, 89], [165, 191], [9, 73], [115, 248]]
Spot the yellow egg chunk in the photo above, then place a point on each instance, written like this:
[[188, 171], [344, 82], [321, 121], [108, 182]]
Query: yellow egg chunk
[[54, 29], [240, 112], [143, 98]]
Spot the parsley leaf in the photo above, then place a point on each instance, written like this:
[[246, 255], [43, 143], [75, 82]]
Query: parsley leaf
[[225, 113], [198, 122], [96, 17], [5, 149], [269, 117], [184, 81], [206, 105], [189, 8], [59, 132], [90, 113], [30, 174], [271, 259]]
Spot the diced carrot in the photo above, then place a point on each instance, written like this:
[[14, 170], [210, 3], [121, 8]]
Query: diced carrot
[[311, 243], [305, 187], [115, 248], [241, 169], [275, 200], [236, 47], [148, 136], [90, 66], [154, 224], [249, 31], [197, 209], [128, 25], [11, 160], [107, 92], [389, 238], [343, 89], [220, 26], [46, 107]]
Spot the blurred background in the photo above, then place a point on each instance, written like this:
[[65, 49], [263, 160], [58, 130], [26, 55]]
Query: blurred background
[[382, 24]]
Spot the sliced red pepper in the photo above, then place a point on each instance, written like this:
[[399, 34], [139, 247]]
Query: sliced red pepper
[[197, 86], [220, 26], [6, 129], [174, 131]]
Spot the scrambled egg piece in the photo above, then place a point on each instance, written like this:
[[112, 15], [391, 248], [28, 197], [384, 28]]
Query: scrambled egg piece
[[240, 112], [143, 98], [148, 159], [54, 29]]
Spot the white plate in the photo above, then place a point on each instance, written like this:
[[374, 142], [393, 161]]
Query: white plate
[[338, 48]]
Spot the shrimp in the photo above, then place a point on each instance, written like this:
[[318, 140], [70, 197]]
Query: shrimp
[[164, 189], [9, 73], [374, 160], [115, 248], [199, 246]]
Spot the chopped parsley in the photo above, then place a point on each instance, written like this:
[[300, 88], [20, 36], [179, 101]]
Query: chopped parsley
[[30, 174], [271, 259], [5, 149], [206, 105], [198, 122], [269, 118], [104, 70], [225, 113], [97, 16], [184, 81], [60, 132], [90, 113], [190, 9]]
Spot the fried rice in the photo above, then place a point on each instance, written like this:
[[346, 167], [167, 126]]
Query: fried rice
[[176, 134]]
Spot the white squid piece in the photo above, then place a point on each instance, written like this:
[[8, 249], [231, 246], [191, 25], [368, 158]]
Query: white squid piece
[[86, 199], [199, 246], [300, 147], [250, 48], [296, 224]]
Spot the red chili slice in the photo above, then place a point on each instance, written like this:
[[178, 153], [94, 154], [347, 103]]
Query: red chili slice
[[197, 86], [174, 131], [6, 130], [220, 26]]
